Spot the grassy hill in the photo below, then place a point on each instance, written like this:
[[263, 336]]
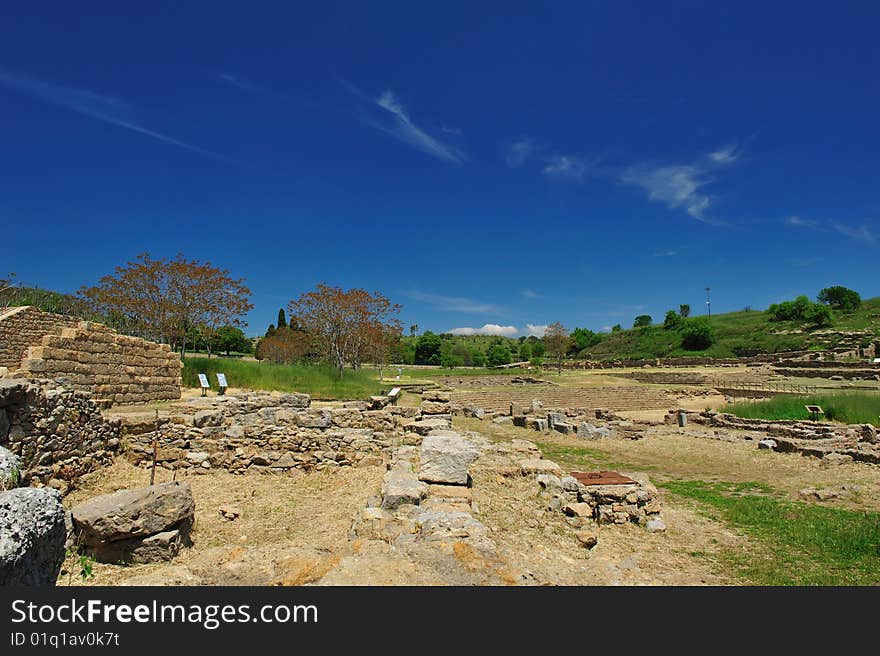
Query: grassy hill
[[742, 333]]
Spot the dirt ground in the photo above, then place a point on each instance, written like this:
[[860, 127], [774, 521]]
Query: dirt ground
[[294, 529]]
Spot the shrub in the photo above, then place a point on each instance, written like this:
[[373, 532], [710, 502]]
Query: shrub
[[697, 334], [672, 320], [819, 315], [642, 320]]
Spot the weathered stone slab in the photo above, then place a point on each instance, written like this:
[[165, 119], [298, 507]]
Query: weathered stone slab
[[446, 459], [539, 466], [10, 468], [137, 513]]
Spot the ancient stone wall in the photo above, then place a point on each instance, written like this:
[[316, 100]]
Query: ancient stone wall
[[21, 327], [57, 433], [113, 367], [264, 433]]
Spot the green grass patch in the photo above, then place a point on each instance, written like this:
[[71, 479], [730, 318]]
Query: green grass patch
[[320, 381], [849, 408], [798, 543]]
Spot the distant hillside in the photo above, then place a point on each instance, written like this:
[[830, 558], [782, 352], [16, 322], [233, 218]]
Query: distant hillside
[[743, 333]]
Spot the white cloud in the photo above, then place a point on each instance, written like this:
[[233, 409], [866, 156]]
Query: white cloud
[[679, 186], [519, 152], [487, 329], [566, 167], [665, 254], [537, 330], [405, 130], [454, 303]]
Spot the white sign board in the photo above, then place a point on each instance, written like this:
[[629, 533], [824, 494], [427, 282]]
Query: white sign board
[[203, 380], [876, 360], [395, 391], [221, 380]]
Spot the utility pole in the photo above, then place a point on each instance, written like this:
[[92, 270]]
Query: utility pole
[[708, 302]]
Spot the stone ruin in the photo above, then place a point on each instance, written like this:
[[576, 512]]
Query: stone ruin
[[832, 443], [580, 422], [90, 356]]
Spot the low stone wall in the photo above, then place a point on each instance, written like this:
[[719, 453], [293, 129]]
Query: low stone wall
[[853, 442], [57, 433], [114, 367], [25, 326], [256, 433]]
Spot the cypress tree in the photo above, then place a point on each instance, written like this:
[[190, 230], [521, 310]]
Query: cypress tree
[[282, 321]]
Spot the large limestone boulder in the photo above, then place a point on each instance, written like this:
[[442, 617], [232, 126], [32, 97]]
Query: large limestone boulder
[[32, 536], [10, 468], [140, 525], [446, 458]]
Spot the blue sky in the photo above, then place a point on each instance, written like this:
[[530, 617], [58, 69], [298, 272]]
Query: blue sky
[[497, 165]]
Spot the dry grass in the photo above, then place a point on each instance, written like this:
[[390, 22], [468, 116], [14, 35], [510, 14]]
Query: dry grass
[[544, 545], [310, 510]]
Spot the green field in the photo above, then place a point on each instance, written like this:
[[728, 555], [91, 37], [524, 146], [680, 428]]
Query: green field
[[848, 408], [795, 543], [736, 333], [321, 382]]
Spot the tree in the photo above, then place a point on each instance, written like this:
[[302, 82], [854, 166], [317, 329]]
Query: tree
[[497, 355], [340, 321], [616, 328], [525, 351], [284, 347], [413, 330], [6, 284], [684, 310], [642, 320], [583, 338], [672, 320], [428, 348], [697, 334], [270, 330], [478, 358], [383, 340], [163, 299], [230, 338], [556, 341], [840, 298], [282, 320]]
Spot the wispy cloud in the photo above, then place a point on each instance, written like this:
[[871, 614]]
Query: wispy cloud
[[519, 152], [665, 254], [861, 233], [800, 222], [568, 168], [97, 106], [725, 155], [680, 186], [530, 293], [536, 329], [403, 128], [454, 303], [487, 329], [395, 121]]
